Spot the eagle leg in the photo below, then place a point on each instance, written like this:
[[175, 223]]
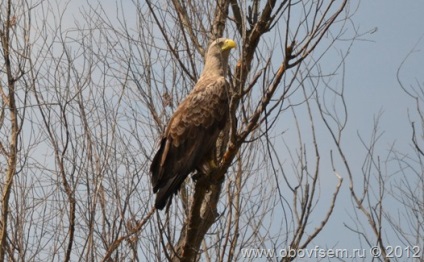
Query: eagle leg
[[205, 168]]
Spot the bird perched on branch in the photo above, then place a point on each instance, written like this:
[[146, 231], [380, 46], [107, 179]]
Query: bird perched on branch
[[190, 136]]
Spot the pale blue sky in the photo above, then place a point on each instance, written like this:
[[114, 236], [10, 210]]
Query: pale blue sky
[[371, 87], [372, 65], [394, 27]]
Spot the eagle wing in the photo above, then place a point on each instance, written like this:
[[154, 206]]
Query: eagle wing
[[190, 136]]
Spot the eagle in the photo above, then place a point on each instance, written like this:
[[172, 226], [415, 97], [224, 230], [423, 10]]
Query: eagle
[[191, 134]]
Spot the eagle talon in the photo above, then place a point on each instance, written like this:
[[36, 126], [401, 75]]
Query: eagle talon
[[208, 167]]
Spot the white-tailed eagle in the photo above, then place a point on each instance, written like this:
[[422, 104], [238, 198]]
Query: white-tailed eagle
[[191, 134]]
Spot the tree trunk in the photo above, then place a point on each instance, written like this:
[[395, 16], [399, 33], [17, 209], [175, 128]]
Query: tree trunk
[[202, 215]]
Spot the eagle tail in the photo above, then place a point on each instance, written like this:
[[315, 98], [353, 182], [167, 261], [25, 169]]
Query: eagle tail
[[162, 198], [167, 178], [156, 169], [165, 193]]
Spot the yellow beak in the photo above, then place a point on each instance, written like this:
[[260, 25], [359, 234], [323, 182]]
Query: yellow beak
[[228, 44]]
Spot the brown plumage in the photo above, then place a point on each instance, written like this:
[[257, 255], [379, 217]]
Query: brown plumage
[[192, 131]]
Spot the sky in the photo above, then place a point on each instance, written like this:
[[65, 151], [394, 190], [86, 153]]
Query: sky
[[391, 29], [372, 65], [394, 29]]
